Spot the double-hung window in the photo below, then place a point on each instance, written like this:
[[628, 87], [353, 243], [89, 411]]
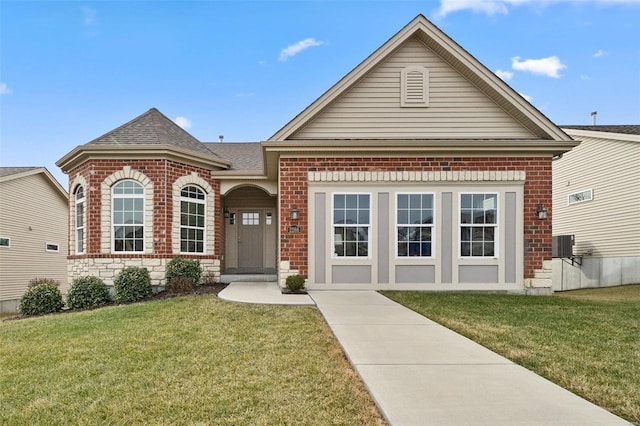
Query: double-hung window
[[351, 225], [79, 225], [192, 220], [414, 225], [128, 217], [478, 224]]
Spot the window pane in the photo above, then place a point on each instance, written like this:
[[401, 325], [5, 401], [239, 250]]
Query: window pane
[[427, 201], [476, 249], [403, 217], [351, 216], [402, 249], [415, 217], [363, 217], [488, 249], [403, 234], [338, 216], [415, 201], [465, 201], [465, 216], [363, 201], [339, 201], [403, 201]]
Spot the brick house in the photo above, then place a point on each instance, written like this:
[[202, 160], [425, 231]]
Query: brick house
[[420, 169]]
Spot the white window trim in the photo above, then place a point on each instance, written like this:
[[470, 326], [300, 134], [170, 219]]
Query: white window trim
[[56, 250], [144, 208], [496, 233], [589, 191], [369, 226], [84, 219], [204, 229], [433, 227], [8, 242]]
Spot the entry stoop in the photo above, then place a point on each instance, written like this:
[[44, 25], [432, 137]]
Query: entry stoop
[[248, 278]]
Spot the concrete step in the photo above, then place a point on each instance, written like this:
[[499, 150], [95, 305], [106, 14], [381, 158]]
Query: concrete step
[[248, 278]]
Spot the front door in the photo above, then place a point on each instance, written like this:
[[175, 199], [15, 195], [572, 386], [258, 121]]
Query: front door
[[250, 239]]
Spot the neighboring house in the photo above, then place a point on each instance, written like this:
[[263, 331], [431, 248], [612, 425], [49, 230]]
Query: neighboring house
[[33, 231], [595, 199], [420, 169]]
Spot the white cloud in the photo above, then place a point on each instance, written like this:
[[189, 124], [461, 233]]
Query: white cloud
[[493, 7], [600, 53], [527, 97], [550, 66], [4, 89], [505, 75], [585, 77], [183, 122], [298, 47], [89, 16]]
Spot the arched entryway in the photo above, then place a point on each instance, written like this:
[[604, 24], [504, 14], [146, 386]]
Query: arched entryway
[[251, 229]]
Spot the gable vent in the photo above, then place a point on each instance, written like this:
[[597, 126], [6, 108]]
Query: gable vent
[[415, 87]]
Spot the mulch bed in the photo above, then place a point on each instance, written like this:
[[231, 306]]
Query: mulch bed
[[203, 289]]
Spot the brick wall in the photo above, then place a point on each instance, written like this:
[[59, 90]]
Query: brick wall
[[537, 189], [162, 173]]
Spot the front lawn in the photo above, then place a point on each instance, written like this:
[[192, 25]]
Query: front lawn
[[587, 341], [187, 360]]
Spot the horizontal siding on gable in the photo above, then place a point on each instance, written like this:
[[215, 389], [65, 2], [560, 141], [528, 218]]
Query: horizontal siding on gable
[[609, 223], [32, 213], [371, 109]]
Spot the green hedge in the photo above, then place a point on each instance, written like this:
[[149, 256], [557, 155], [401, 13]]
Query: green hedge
[[132, 284], [43, 298], [88, 292]]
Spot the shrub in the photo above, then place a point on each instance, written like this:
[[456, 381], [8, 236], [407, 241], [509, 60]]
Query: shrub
[[209, 279], [132, 284], [295, 282], [88, 292], [181, 285], [179, 267], [43, 298], [37, 281]]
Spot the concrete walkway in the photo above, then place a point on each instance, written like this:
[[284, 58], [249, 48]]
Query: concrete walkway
[[421, 373]]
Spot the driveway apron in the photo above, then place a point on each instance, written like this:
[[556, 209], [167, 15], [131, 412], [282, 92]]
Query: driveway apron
[[421, 373]]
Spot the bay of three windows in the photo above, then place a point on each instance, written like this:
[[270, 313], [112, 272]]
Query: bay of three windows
[[414, 225], [127, 218]]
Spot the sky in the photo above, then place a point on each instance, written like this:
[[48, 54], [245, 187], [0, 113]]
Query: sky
[[70, 71]]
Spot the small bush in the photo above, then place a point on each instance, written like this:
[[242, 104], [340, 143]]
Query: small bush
[[181, 285], [295, 282], [41, 299], [37, 281], [132, 284], [209, 279], [88, 292], [179, 267]]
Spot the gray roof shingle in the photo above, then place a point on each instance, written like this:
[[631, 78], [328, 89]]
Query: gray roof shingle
[[242, 155], [8, 171], [152, 128], [628, 129]]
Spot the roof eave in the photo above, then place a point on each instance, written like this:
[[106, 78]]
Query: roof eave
[[602, 135], [53, 181], [82, 153]]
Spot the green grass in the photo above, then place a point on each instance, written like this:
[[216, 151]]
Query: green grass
[[586, 341], [188, 360]]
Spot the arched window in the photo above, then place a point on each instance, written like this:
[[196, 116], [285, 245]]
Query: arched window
[[127, 217], [79, 219], [192, 220]]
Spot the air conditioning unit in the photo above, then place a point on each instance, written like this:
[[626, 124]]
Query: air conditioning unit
[[562, 246]]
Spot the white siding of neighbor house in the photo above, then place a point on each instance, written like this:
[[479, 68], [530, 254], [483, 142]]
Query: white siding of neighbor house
[[371, 109], [32, 214], [609, 224]]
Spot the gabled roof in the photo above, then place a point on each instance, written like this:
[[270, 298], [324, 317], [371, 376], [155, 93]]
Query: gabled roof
[[628, 129], [453, 54], [12, 173], [626, 133], [151, 132]]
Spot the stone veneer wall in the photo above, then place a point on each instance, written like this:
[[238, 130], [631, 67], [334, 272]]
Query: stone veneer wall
[[107, 269], [293, 191], [159, 177]]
